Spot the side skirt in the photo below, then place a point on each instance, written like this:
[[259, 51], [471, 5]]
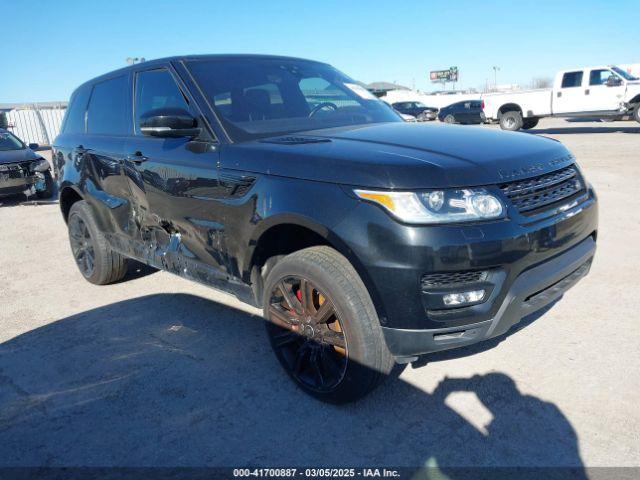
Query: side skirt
[[174, 258]]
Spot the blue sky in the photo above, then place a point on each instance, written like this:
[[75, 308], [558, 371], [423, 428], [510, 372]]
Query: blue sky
[[52, 46]]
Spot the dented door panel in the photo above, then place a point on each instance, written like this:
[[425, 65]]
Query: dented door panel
[[105, 181], [175, 195]]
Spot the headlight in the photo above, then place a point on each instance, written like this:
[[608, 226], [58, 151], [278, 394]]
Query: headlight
[[40, 165], [437, 206]]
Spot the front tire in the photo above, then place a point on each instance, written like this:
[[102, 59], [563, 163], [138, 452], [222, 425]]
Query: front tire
[[528, 123], [323, 326], [636, 113], [449, 119], [511, 121], [96, 261]]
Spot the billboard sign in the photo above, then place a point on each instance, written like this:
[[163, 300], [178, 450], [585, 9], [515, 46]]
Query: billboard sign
[[442, 76]]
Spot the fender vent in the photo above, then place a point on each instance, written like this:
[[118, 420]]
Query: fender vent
[[292, 140], [237, 185]]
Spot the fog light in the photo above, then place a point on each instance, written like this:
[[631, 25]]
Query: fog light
[[463, 298]]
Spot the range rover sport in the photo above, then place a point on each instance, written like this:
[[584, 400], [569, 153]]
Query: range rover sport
[[366, 240]]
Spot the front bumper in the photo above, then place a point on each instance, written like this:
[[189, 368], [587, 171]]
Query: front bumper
[[523, 255], [531, 291], [16, 179], [427, 116], [15, 186]]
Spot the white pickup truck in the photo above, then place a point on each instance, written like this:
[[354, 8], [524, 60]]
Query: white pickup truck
[[603, 91]]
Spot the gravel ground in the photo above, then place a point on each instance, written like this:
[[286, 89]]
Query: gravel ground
[[158, 371]]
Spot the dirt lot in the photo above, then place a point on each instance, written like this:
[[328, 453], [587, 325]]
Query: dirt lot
[[160, 371]]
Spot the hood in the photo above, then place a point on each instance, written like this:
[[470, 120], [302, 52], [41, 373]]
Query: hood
[[402, 155], [15, 156]]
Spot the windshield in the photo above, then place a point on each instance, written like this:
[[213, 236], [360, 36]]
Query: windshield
[[8, 141], [263, 97], [420, 105], [623, 74]]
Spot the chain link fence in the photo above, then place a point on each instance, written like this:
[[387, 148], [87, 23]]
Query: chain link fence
[[33, 122]]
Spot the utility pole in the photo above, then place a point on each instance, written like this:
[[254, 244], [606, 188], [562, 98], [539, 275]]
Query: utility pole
[[495, 76]]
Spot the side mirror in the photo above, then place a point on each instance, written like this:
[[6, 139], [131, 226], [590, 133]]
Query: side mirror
[[613, 81], [169, 123], [34, 146]]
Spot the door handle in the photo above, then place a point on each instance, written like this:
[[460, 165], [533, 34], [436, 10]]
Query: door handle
[[137, 158], [559, 94], [586, 92]]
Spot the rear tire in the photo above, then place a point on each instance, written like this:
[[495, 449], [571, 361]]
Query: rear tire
[[95, 259], [511, 121], [636, 113], [318, 364], [528, 123]]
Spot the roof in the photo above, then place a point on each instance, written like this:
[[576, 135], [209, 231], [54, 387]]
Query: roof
[[386, 86], [177, 58]]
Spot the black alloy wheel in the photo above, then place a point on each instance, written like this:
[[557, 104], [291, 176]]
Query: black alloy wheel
[[82, 245], [307, 334]]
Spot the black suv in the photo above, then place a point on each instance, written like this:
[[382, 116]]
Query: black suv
[[366, 240]]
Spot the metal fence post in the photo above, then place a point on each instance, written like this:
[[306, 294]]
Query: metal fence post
[[43, 128]]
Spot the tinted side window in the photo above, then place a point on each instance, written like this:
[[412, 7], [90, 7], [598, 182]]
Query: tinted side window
[[75, 114], [108, 107], [156, 89], [599, 77], [571, 79]]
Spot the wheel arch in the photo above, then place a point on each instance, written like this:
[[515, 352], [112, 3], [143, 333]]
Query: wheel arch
[[69, 195], [635, 100], [509, 107], [286, 234]]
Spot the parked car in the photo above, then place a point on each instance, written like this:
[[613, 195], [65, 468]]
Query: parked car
[[366, 240], [416, 109], [22, 171], [465, 112], [403, 116], [600, 92]]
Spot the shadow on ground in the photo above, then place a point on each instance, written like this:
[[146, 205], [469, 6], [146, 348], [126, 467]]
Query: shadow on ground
[[572, 130], [21, 199], [176, 380]]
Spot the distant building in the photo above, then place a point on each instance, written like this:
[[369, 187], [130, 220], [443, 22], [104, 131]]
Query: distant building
[[386, 86], [380, 89], [506, 87]]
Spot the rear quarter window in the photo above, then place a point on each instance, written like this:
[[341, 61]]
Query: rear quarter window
[[572, 79], [108, 107], [74, 120]]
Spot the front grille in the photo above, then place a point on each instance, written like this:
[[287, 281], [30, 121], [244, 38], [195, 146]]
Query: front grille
[[544, 190], [442, 279], [15, 170]]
